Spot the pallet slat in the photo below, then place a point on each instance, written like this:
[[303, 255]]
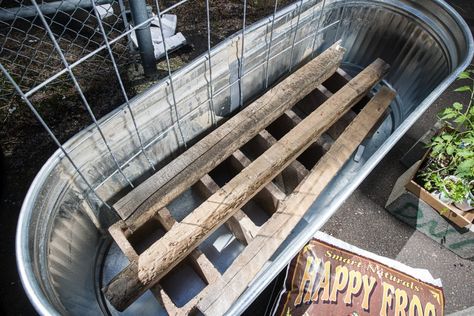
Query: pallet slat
[[183, 237], [239, 224], [324, 141], [291, 175], [218, 297], [202, 265], [169, 182], [164, 300], [270, 196], [119, 233]]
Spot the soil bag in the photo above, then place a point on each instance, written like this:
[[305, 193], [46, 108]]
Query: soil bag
[[330, 277]]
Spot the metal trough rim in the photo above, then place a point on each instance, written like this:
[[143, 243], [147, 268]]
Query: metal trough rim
[[24, 261]]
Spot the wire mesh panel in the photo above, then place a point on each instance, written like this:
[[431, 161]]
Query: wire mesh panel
[[57, 63], [82, 58], [28, 53]]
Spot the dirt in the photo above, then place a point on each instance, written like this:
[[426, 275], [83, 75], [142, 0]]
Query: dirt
[[26, 145]]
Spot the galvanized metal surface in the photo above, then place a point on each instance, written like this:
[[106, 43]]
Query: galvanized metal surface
[[62, 250]]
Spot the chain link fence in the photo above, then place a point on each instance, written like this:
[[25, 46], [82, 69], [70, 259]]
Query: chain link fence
[[29, 55]]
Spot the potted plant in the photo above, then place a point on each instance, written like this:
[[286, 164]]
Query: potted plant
[[445, 178]]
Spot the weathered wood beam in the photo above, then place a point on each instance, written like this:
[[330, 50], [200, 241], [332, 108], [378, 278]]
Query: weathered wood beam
[[339, 79], [323, 142], [183, 237], [200, 262], [270, 196], [217, 298], [239, 224], [291, 175], [172, 180]]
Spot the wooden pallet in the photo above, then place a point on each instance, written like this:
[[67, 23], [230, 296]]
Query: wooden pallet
[[284, 174]]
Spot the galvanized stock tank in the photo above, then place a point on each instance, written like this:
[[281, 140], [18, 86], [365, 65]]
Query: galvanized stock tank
[[63, 251]]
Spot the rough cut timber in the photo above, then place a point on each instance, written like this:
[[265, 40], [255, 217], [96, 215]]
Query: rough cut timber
[[183, 237], [169, 182], [239, 224], [197, 259], [293, 174], [204, 267], [218, 297], [270, 196]]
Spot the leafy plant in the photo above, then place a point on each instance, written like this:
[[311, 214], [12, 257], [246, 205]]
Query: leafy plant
[[452, 150]]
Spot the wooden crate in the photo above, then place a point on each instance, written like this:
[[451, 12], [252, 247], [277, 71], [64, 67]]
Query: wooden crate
[[416, 213], [449, 211]]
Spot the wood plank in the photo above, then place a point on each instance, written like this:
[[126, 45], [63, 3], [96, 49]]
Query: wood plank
[[291, 175], [239, 224], [275, 231], [323, 93], [313, 100], [119, 233], [164, 300], [339, 79], [183, 237], [200, 262], [337, 129], [340, 125], [203, 266], [283, 125], [324, 141], [169, 182], [165, 218], [270, 196]]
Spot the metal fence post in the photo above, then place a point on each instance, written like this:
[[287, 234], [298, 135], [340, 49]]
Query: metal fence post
[[144, 41]]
